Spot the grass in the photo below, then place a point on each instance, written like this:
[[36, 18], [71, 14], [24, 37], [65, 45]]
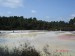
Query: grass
[[27, 51]]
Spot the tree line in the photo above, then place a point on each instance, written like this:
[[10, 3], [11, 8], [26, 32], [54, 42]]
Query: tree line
[[21, 23]]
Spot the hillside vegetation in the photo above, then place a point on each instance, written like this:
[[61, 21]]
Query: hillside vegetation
[[21, 23]]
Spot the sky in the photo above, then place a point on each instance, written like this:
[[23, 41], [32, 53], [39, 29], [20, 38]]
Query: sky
[[48, 10]]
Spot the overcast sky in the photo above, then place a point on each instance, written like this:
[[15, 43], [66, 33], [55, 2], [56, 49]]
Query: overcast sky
[[49, 10]]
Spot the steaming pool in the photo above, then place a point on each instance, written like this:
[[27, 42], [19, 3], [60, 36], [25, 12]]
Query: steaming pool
[[57, 41]]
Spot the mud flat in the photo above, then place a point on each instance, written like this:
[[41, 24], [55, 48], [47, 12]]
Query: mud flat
[[56, 41]]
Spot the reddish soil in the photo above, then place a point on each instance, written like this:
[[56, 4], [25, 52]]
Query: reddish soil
[[67, 37]]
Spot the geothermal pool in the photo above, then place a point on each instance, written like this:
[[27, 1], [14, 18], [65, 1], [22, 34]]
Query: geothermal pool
[[56, 41]]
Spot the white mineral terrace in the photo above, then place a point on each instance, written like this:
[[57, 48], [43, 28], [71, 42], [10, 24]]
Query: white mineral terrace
[[57, 41]]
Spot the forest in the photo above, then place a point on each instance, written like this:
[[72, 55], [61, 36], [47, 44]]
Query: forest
[[21, 23]]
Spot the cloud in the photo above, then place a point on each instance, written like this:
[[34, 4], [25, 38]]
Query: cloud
[[33, 11], [9, 12], [11, 3], [47, 17], [73, 15]]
